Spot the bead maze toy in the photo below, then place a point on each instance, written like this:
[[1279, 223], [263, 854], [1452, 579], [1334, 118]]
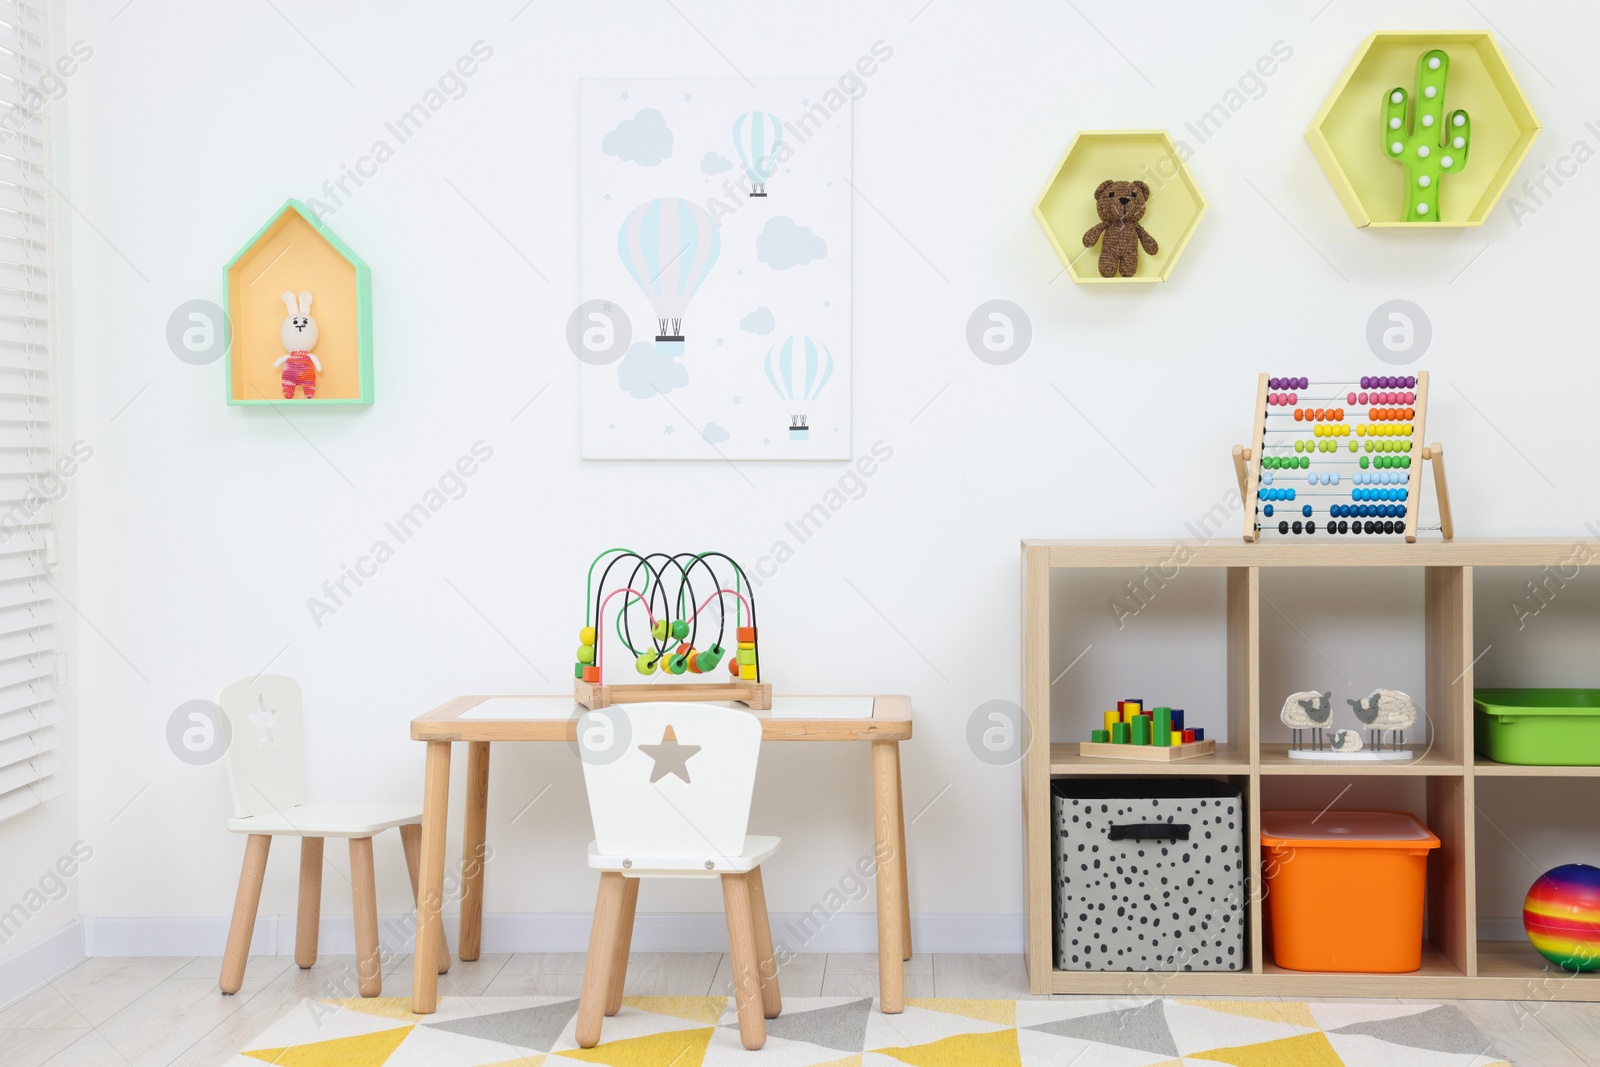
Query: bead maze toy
[[655, 611], [1158, 735], [1341, 450], [1434, 145]]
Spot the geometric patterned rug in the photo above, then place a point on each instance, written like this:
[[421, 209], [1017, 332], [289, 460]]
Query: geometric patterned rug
[[849, 1032]]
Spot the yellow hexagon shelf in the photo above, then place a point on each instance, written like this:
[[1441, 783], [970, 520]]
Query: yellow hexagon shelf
[[1353, 132], [1066, 208]]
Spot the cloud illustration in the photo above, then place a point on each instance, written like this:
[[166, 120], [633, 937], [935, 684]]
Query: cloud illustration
[[712, 163], [783, 244], [645, 371], [759, 321], [714, 434], [643, 139]]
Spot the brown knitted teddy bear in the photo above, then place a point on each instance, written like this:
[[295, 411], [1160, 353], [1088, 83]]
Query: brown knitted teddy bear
[[1121, 205]]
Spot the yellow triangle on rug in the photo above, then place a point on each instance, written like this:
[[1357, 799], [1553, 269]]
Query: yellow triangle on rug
[[1293, 1013], [1307, 1050], [853, 1060], [694, 1009], [999, 1012], [364, 1050], [527, 1061], [383, 1007], [681, 1048], [997, 1048]]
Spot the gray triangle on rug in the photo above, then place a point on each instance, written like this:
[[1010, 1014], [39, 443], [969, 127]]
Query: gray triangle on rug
[[838, 1026], [1143, 1029], [1441, 1029], [533, 1028]]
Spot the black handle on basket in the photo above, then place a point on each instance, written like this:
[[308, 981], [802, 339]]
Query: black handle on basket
[[1150, 831]]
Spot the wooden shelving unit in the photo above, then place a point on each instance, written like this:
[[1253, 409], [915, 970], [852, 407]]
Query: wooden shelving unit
[[1455, 963]]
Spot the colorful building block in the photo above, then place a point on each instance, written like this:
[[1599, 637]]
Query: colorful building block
[[1177, 738], [1188, 737], [1199, 733], [1111, 718], [1162, 727], [1140, 730], [1177, 719], [1100, 737], [1119, 734]]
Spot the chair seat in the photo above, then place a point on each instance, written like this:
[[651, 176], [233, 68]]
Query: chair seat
[[329, 820], [757, 850]]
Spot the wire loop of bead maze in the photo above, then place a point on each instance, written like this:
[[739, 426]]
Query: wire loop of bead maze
[[1324, 433], [655, 612]]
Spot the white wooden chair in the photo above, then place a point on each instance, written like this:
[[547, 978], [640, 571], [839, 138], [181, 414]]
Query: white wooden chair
[[675, 804], [267, 776]]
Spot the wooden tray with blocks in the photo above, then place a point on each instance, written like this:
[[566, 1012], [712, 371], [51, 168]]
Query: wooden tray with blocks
[[1147, 753]]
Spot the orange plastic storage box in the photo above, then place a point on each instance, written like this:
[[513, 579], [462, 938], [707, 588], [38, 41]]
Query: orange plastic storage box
[[1345, 889]]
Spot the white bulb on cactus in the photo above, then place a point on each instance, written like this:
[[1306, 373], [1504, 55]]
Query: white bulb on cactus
[[1423, 181], [1427, 120], [1422, 150], [1433, 63], [1460, 119], [1396, 97], [1397, 148], [1447, 162], [1422, 209], [1460, 142], [1394, 124]]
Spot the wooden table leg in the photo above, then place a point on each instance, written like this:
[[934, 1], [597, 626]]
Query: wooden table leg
[[245, 903], [905, 863], [309, 915], [474, 827], [430, 887], [411, 841], [891, 857], [364, 895]]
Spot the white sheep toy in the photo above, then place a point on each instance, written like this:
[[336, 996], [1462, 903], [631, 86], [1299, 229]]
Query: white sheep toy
[[1386, 710], [1307, 711], [1344, 741]]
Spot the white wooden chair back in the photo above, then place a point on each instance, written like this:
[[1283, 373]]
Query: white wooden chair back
[[266, 755], [669, 818]]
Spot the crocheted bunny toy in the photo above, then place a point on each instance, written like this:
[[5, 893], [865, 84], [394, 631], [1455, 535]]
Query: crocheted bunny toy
[[299, 336]]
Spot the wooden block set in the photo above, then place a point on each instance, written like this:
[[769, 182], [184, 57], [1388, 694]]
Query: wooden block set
[[1131, 732]]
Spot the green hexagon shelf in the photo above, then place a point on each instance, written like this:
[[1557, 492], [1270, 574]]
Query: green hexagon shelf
[[296, 251], [1066, 207], [1352, 132]]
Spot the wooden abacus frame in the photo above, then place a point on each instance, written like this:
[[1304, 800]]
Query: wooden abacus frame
[[757, 696], [1247, 467]]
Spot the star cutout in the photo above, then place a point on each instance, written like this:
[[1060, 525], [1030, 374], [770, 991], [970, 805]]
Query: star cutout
[[607, 196], [766, 440], [719, 342], [737, 399], [624, 96], [687, 98], [263, 721], [669, 756], [827, 303], [740, 271], [668, 431]]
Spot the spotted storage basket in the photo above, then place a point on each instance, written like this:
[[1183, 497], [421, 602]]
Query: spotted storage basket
[[1149, 874]]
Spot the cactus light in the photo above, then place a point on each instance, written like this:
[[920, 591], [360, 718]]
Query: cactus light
[[1434, 145]]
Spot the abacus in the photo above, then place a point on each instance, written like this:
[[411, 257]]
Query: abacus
[[1339, 457], [656, 593]]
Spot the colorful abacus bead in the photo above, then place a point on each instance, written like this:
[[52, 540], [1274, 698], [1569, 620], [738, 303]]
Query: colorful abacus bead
[[747, 672], [586, 636], [585, 653], [694, 663], [679, 629], [677, 663], [711, 657], [746, 634], [733, 666], [658, 630], [591, 674], [646, 662]]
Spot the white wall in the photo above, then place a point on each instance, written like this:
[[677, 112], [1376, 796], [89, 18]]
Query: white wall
[[204, 528]]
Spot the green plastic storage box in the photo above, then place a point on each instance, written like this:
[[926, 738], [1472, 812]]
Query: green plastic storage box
[[1538, 727]]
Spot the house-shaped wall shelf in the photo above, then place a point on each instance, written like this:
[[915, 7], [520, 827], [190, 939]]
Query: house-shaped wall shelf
[[1347, 134], [294, 251], [1066, 208]]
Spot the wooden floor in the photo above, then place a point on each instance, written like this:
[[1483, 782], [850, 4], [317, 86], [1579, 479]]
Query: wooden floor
[[167, 1011]]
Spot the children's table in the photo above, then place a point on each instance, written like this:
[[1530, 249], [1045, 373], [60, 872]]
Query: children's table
[[883, 721]]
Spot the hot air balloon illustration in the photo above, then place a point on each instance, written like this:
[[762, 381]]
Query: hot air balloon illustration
[[756, 137], [669, 246], [798, 368]]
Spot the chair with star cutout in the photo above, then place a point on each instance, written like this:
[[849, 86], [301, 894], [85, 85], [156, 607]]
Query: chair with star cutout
[[267, 777], [669, 791]]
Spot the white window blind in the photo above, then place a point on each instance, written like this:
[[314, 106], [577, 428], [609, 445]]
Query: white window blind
[[29, 735]]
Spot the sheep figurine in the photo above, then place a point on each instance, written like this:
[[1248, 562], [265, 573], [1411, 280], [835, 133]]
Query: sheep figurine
[[1345, 741], [1386, 710], [1307, 711]]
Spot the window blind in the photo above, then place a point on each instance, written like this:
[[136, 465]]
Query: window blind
[[29, 716]]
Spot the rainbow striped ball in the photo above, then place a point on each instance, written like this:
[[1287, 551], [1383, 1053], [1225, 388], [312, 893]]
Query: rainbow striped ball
[[1562, 916]]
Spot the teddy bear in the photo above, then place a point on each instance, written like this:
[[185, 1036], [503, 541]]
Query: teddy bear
[[299, 336], [1120, 205]]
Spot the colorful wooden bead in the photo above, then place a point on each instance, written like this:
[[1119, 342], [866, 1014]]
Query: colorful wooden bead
[[746, 633], [585, 653], [747, 672], [694, 663], [591, 674], [680, 629], [646, 663], [733, 667], [577, 671], [659, 630], [586, 635], [711, 657], [746, 655]]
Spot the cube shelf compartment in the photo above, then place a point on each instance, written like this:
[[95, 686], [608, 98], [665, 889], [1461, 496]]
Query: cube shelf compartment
[[1456, 964], [1066, 208], [1346, 133]]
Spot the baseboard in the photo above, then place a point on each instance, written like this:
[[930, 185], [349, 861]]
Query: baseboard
[[524, 932], [27, 969]]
